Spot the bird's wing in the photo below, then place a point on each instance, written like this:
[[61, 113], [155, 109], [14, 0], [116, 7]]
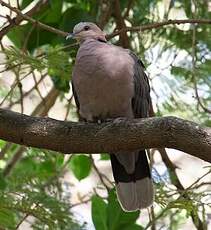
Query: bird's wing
[[141, 100], [76, 100], [75, 96], [131, 171]]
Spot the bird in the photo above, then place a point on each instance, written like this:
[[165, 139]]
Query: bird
[[109, 82]]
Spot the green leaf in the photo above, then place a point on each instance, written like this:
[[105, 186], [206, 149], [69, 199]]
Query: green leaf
[[54, 11], [72, 16], [46, 168], [36, 36], [2, 143], [59, 68], [25, 3], [134, 227], [7, 219], [81, 166], [18, 34], [99, 213], [59, 160], [187, 8], [104, 157], [3, 183], [121, 219], [16, 57]]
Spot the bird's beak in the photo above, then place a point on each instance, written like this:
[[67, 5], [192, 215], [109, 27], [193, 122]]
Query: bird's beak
[[70, 35]]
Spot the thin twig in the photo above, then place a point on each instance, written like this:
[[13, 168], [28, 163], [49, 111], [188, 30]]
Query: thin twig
[[17, 20], [120, 22], [28, 18], [129, 6], [194, 73], [131, 29], [15, 83], [5, 149], [159, 25], [69, 101], [36, 87], [180, 188], [99, 173], [29, 91]]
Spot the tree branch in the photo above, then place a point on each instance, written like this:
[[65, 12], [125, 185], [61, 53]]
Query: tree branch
[[27, 18], [123, 38], [124, 135], [131, 29], [17, 20], [159, 25], [42, 109], [180, 188]]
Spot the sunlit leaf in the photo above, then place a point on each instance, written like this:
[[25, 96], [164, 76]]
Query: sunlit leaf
[[99, 213]]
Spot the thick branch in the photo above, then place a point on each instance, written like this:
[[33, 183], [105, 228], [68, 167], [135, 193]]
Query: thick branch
[[75, 137]]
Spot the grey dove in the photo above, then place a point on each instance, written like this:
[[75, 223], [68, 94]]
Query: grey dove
[[109, 82]]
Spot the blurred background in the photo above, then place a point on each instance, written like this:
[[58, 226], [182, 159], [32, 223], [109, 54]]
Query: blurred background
[[42, 189]]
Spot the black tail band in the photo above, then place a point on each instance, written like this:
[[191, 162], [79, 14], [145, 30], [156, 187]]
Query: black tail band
[[141, 169]]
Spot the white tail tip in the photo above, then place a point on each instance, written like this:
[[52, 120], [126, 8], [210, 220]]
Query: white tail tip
[[135, 195]]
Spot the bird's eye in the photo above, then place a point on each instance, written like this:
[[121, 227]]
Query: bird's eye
[[86, 27]]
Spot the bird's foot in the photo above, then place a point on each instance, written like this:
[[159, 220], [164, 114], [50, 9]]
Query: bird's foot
[[120, 120], [116, 120]]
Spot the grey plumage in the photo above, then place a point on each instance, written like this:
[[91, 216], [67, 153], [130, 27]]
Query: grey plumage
[[110, 82]]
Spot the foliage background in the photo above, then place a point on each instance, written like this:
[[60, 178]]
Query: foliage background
[[37, 186]]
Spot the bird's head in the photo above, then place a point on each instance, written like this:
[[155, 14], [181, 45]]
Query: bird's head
[[86, 30]]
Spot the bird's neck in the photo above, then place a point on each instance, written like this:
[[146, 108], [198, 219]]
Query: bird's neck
[[100, 38]]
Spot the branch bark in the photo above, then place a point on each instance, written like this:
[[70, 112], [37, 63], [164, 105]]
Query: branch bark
[[41, 110], [124, 135]]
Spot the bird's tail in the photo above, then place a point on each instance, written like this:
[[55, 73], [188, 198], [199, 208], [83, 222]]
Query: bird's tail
[[133, 180]]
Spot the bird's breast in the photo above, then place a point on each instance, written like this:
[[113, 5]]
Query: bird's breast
[[104, 84]]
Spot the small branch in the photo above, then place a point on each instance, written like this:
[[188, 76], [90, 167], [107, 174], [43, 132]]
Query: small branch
[[129, 6], [206, 110], [13, 161], [29, 91], [105, 13], [126, 135], [180, 188], [126, 29], [100, 175], [194, 72], [158, 25], [4, 150], [36, 85], [37, 23], [123, 38], [17, 20], [69, 104], [15, 83]]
